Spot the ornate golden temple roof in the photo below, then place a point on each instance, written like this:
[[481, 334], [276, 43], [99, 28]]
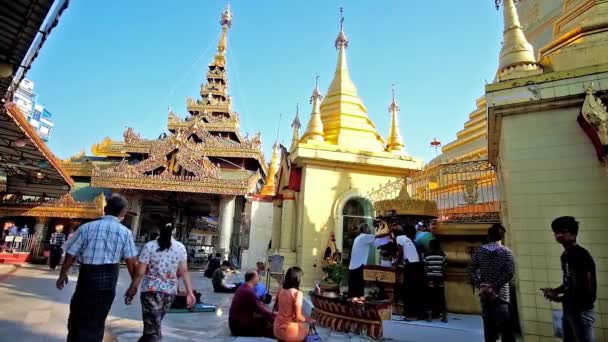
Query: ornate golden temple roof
[[204, 152], [64, 207], [395, 142], [179, 162], [344, 117], [517, 54]]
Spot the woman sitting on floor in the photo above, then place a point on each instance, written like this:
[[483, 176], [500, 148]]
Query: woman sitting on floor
[[290, 324]]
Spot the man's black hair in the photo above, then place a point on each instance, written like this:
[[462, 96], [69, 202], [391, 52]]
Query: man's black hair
[[496, 232], [218, 255], [226, 263], [249, 275], [435, 245], [567, 223], [115, 204]]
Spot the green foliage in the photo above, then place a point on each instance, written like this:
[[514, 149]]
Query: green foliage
[[334, 273]]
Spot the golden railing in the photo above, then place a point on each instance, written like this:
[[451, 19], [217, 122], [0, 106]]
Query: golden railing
[[465, 192]]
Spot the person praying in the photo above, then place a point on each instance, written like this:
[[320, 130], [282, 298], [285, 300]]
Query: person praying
[[248, 316], [358, 259], [218, 280]]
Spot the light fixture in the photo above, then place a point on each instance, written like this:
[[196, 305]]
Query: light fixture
[[20, 142], [39, 175]]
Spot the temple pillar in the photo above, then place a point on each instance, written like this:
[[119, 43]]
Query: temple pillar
[[277, 211], [287, 221], [135, 208], [40, 229], [227, 204]]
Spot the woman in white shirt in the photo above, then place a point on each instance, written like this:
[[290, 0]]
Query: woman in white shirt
[[161, 263]]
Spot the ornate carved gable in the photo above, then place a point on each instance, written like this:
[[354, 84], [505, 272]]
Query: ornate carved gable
[[594, 121]]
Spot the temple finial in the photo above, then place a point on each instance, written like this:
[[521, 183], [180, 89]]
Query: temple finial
[[226, 22], [314, 130], [395, 142], [269, 188], [341, 40], [517, 57], [226, 16], [295, 124]]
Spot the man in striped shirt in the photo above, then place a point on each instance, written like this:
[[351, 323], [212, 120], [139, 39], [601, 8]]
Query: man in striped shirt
[[434, 264], [99, 246], [491, 269]]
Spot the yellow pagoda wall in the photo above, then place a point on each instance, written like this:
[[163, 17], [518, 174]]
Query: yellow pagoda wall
[[548, 168], [323, 194]]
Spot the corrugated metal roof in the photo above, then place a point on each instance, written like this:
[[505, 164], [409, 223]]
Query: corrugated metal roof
[[21, 31]]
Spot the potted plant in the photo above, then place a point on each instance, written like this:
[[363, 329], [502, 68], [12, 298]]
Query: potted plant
[[334, 273]]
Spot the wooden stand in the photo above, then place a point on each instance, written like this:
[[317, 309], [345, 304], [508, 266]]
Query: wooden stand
[[388, 279], [343, 315]]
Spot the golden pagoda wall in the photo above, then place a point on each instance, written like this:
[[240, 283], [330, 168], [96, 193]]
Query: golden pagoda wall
[[548, 168], [323, 194]]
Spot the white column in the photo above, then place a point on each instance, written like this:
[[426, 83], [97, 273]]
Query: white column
[[226, 223]]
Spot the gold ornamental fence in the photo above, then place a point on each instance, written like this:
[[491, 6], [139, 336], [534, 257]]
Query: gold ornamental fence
[[465, 192]]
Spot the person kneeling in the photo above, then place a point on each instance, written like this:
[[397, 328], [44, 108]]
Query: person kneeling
[[248, 316], [218, 280]]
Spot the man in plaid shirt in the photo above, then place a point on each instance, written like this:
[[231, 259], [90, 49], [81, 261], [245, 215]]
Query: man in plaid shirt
[[99, 246]]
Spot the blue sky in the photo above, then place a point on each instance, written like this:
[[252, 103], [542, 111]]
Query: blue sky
[[111, 64]]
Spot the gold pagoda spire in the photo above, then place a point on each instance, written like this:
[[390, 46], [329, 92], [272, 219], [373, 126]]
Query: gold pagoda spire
[[344, 117], [295, 124], [516, 54], [314, 130], [269, 188], [226, 22], [395, 142]]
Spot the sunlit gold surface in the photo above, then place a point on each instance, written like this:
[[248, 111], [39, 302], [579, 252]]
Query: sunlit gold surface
[[64, 207], [314, 130], [344, 117], [269, 188], [517, 54], [395, 142]]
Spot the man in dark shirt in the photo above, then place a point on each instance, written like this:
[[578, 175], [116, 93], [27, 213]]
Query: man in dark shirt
[[217, 280], [491, 269], [213, 265], [578, 291], [248, 316]]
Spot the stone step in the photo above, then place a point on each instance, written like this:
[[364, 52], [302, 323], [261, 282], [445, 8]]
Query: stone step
[[459, 328]]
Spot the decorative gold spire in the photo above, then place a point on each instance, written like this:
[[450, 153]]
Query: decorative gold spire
[[516, 54], [295, 124], [344, 117], [269, 188], [226, 22], [395, 142], [314, 130]]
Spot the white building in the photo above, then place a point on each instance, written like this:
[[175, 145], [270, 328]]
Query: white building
[[37, 115]]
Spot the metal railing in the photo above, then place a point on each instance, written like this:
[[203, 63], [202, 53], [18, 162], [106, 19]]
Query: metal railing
[[465, 192]]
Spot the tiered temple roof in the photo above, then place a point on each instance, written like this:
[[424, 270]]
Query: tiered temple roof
[[203, 152]]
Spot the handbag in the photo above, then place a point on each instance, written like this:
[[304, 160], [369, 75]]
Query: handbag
[[313, 336]]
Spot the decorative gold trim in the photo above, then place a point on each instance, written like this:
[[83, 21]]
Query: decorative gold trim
[[65, 207]]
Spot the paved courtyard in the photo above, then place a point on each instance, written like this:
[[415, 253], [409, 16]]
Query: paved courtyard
[[32, 309]]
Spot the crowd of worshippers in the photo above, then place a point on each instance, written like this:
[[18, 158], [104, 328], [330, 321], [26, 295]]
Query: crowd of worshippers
[[423, 266]]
